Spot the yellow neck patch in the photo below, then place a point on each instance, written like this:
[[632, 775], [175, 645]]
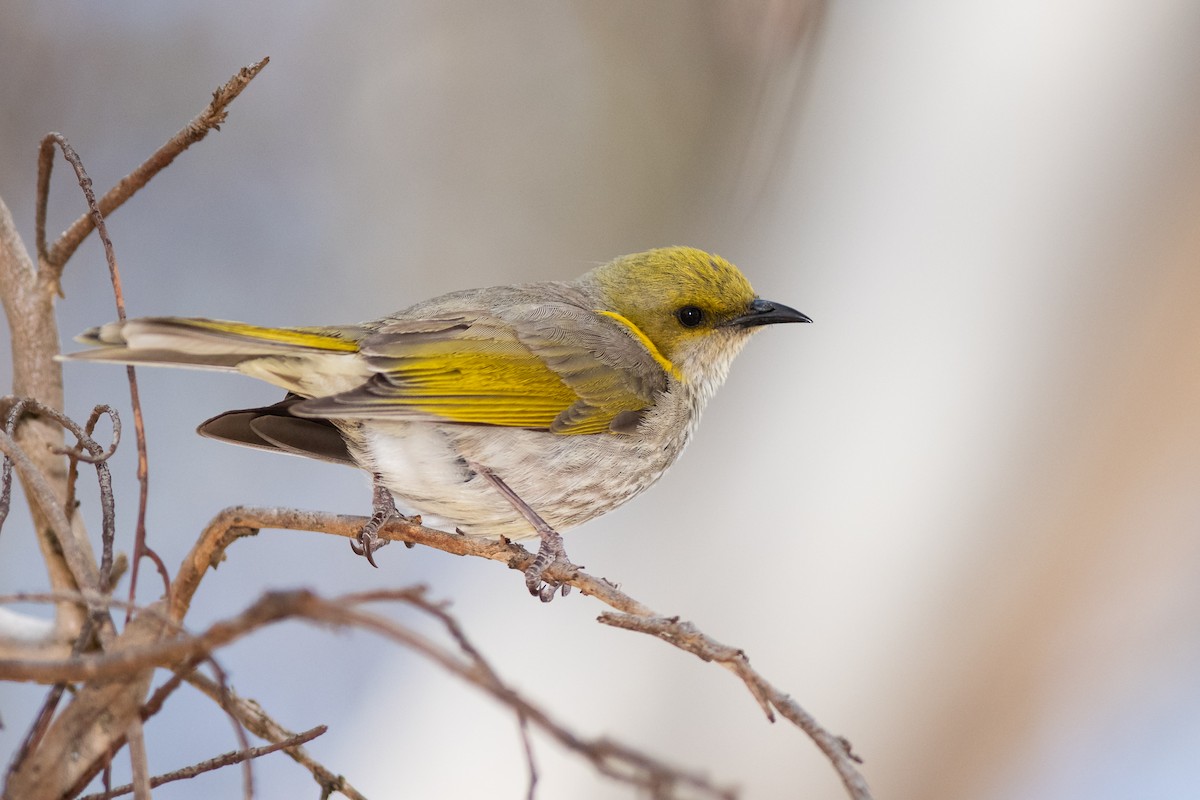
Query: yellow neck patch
[[645, 340]]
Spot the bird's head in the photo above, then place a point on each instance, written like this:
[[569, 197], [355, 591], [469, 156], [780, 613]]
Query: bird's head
[[697, 309]]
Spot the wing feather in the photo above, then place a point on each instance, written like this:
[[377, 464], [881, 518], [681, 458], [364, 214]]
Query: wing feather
[[549, 366]]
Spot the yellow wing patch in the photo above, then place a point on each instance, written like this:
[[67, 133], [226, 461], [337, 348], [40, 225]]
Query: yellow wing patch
[[482, 388], [486, 371]]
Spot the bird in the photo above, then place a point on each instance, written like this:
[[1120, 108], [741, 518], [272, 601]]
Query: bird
[[512, 411]]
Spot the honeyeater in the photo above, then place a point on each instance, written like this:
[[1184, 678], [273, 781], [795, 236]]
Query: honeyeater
[[513, 411]]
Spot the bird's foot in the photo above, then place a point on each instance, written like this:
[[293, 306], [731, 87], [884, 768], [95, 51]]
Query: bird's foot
[[383, 511], [551, 550]]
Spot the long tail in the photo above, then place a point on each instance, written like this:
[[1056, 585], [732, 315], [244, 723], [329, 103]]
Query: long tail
[[307, 362], [206, 343]]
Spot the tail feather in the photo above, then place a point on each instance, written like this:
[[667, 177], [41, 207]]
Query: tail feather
[[275, 428], [204, 343]]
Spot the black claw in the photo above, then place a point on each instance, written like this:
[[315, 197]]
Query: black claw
[[383, 510]]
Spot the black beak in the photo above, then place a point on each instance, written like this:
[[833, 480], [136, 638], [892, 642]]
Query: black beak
[[766, 312]]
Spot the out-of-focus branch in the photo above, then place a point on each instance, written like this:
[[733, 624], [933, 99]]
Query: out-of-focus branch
[[612, 758], [687, 637], [234, 523], [225, 760], [28, 296], [257, 721], [97, 717]]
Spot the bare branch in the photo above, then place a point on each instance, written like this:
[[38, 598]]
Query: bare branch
[[232, 523], [49, 272], [208, 120], [686, 637], [86, 450], [259, 723], [225, 760], [609, 757], [527, 746], [238, 521]]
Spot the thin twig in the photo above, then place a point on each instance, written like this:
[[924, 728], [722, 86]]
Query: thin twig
[[225, 760], [114, 274], [611, 758], [686, 637], [530, 762], [262, 725], [83, 569], [222, 695], [86, 449], [232, 523], [238, 521], [208, 120]]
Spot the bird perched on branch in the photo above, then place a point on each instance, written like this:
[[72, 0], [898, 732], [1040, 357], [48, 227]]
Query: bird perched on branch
[[512, 411]]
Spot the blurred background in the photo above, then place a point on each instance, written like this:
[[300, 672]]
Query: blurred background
[[958, 518]]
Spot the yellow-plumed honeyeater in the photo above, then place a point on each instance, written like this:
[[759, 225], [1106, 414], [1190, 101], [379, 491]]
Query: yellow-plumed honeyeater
[[515, 410]]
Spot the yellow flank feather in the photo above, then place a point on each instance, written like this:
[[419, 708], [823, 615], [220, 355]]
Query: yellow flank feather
[[315, 338], [645, 340]]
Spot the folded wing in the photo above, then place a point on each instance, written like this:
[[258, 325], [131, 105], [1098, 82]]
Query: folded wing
[[548, 366]]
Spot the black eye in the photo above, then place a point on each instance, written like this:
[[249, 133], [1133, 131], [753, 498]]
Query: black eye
[[689, 316]]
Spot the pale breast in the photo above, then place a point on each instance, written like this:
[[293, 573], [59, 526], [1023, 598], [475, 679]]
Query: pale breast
[[568, 480]]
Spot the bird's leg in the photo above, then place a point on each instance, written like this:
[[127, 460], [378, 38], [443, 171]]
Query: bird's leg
[[383, 509], [551, 548]]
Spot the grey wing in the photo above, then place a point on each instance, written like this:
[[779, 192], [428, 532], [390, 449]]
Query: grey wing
[[573, 370], [598, 357]]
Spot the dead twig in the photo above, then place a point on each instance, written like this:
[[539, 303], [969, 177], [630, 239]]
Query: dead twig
[[233, 523], [86, 450], [224, 760], [687, 637], [80, 563], [609, 757], [239, 521], [258, 722], [209, 119], [140, 548]]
